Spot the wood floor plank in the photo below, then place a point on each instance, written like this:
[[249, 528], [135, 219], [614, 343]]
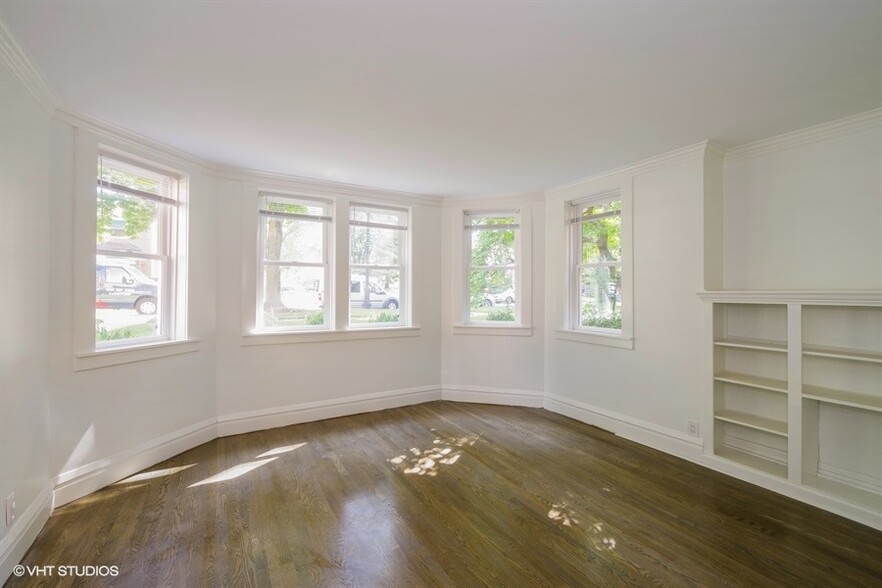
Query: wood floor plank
[[447, 495]]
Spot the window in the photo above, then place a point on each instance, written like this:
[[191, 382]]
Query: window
[[294, 268], [378, 251], [492, 242], [136, 284], [596, 270]]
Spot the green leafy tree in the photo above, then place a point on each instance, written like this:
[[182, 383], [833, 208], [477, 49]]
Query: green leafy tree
[[491, 248], [279, 232], [601, 241], [137, 213]]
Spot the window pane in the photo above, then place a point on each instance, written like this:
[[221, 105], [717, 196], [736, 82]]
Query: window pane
[[493, 247], [476, 220], [600, 299], [293, 240], [374, 296], [373, 246], [127, 299], [128, 223], [112, 171], [491, 295], [601, 229], [380, 216], [293, 206], [293, 296]]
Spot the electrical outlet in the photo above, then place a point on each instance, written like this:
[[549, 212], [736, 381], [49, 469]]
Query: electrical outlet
[[692, 427], [10, 509]]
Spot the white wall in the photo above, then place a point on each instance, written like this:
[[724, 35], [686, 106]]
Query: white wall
[[481, 367], [24, 302], [806, 216], [255, 381], [101, 415], [655, 386]]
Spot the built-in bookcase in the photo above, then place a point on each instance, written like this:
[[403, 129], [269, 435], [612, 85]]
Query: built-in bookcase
[[797, 390]]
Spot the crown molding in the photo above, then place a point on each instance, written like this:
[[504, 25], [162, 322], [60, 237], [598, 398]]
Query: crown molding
[[823, 132], [640, 167], [129, 138], [316, 186], [12, 55], [495, 200]]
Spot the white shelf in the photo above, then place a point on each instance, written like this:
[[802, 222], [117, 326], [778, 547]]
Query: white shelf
[[753, 461], [804, 297], [770, 384], [752, 421], [843, 397], [841, 353], [757, 344]]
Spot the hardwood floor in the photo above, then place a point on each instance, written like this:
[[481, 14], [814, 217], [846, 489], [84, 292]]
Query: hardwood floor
[[445, 494]]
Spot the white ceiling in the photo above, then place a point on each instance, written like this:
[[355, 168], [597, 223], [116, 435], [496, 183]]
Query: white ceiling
[[454, 98]]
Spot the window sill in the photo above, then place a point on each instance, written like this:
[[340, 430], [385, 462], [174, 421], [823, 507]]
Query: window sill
[[284, 338], [108, 357], [617, 341], [512, 331]]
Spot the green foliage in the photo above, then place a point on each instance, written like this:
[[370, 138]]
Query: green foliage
[[316, 318], [385, 317], [491, 248], [147, 329], [503, 314], [136, 213], [592, 318]]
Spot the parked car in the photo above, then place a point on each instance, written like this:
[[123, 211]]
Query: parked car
[[506, 297], [124, 286], [376, 297]]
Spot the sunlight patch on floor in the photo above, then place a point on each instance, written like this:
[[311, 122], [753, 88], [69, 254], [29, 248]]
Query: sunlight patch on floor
[[281, 450], [233, 472], [154, 474], [428, 462]]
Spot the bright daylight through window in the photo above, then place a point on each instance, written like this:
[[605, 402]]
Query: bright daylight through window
[[136, 230], [597, 265], [378, 247], [294, 266], [492, 267]]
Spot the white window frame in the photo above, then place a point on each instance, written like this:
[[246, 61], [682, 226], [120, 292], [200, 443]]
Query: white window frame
[[573, 329], [167, 248], [516, 267], [327, 220], [174, 338], [403, 267]]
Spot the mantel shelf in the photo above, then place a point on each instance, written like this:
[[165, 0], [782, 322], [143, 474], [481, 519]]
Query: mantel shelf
[[807, 297]]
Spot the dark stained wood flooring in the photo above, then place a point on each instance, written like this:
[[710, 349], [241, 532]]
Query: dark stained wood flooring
[[445, 494]]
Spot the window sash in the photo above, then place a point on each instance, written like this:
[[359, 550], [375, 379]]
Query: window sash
[[577, 266], [166, 242], [326, 221], [470, 229]]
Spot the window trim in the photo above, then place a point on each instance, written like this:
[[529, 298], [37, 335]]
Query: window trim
[[468, 230], [327, 261], [404, 266], [87, 145], [623, 339]]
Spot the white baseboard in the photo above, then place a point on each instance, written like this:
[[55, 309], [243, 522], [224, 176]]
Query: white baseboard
[[485, 395], [760, 450], [85, 479], [690, 449], [651, 435], [282, 416], [24, 531]]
